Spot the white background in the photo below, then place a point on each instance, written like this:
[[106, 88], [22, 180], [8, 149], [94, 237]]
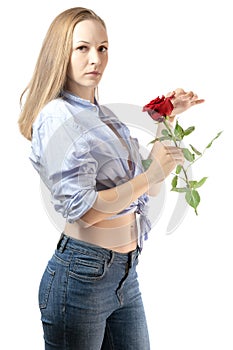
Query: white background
[[154, 47]]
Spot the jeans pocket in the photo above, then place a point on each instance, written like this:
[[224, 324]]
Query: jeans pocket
[[45, 287], [88, 268]]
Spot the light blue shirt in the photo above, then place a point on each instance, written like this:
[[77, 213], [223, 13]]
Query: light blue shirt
[[77, 154]]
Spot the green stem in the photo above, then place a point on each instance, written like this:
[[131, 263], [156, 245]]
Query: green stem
[[197, 158], [180, 177], [171, 132], [176, 144]]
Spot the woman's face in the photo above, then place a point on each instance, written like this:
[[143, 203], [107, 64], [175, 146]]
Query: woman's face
[[88, 58]]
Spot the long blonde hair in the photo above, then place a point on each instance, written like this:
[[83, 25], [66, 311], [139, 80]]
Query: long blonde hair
[[49, 76]]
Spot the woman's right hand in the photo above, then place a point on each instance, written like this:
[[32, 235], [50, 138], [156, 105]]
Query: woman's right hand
[[164, 160]]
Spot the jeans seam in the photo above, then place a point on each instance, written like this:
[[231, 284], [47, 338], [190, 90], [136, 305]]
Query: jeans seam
[[109, 335]]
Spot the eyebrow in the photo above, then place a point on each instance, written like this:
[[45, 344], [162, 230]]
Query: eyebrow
[[86, 42]]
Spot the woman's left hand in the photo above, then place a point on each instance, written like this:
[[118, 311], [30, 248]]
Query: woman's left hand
[[183, 100]]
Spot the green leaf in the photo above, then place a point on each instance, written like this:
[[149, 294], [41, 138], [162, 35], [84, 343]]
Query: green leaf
[[164, 138], [195, 150], [192, 184], [165, 132], [180, 189], [174, 181], [146, 163], [161, 138], [210, 144], [178, 132], [196, 184], [188, 155], [189, 130], [193, 199], [153, 141], [178, 169], [201, 182]]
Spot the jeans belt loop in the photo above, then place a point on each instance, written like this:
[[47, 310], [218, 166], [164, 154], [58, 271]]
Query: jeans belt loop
[[62, 243]]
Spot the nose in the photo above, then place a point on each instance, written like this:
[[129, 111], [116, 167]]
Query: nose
[[94, 57]]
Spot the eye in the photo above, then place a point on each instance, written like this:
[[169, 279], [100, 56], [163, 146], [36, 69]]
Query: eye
[[82, 48], [103, 49]]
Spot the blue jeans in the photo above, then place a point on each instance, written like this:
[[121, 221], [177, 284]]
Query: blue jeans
[[90, 300]]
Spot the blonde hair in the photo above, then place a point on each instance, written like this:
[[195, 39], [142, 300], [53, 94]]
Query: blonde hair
[[49, 76]]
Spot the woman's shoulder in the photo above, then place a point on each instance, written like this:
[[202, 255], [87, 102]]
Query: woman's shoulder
[[52, 111], [55, 118]]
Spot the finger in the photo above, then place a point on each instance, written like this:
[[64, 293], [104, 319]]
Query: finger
[[180, 161], [197, 102], [174, 151], [195, 97], [190, 94], [179, 92], [158, 148], [178, 157], [170, 93], [170, 149]]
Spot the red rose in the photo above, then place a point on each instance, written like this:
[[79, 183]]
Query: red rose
[[159, 108]]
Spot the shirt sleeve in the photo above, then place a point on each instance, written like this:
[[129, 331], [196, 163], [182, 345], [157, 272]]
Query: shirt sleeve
[[61, 153]]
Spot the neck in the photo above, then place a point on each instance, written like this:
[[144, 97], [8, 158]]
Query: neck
[[86, 93]]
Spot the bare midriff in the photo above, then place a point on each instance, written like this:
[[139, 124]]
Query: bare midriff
[[119, 234]]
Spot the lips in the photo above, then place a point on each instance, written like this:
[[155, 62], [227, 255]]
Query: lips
[[93, 73]]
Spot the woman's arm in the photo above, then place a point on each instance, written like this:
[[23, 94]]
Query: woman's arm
[[112, 201]]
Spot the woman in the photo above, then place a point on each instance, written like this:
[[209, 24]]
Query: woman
[[89, 295]]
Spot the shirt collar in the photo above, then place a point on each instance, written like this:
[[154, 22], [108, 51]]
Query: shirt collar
[[82, 102], [72, 97]]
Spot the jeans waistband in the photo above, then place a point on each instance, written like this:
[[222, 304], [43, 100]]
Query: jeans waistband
[[66, 242]]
